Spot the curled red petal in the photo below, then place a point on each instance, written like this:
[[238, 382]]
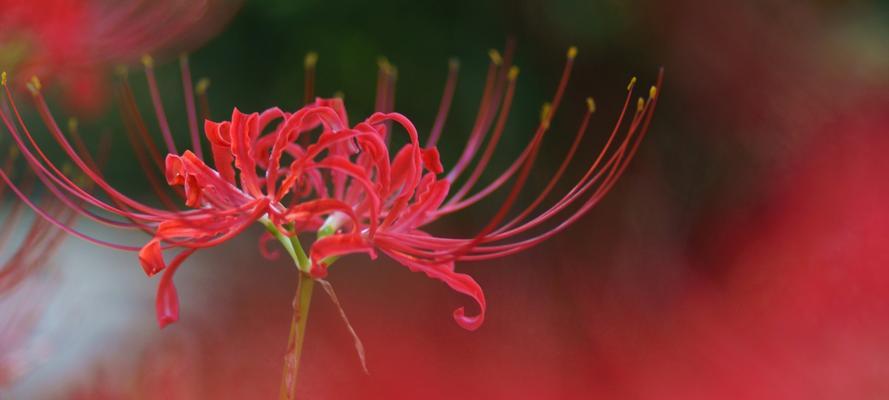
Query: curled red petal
[[268, 253], [460, 282], [151, 257], [166, 302], [220, 144], [432, 160]]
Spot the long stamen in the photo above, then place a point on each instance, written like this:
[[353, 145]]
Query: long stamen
[[158, 105], [445, 106], [133, 119], [385, 73], [457, 203], [200, 90], [54, 130], [625, 154], [484, 108], [385, 101], [143, 159], [613, 167], [561, 170], [189, 106], [488, 109], [513, 194], [59, 224], [310, 61], [495, 137]]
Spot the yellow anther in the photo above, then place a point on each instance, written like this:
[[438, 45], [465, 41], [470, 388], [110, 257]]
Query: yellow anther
[[121, 70], [632, 83], [13, 152], [339, 94], [545, 114], [572, 52], [590, 104], [3, 78], [640, 104], [385, 66], [202, 85], [454, 63], [72, 124], [147, 61], [34, 85], [495, 57], [652, 92], [311, 59], [513, 73]]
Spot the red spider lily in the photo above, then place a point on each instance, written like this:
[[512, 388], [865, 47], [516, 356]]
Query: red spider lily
[[73, 42], [346, 185]]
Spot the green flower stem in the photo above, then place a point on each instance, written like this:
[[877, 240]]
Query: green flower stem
[[302, 299], [297, 335], [291, 244]]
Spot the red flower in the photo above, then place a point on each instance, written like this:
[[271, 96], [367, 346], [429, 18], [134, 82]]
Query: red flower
[[348, 185], [74, 42]]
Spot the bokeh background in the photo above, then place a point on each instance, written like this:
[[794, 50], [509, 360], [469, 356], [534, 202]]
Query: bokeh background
[[743, 255]]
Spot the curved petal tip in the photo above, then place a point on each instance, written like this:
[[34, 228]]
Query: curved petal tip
[[151, 257], [470, 323], [166, 302]]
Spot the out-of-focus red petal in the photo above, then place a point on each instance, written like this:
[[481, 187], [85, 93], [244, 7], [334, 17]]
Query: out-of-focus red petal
[[268, 253]]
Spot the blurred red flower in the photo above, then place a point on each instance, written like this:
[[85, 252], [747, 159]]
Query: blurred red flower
[[72, 43]]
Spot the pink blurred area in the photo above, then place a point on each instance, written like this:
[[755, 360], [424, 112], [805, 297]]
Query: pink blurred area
[[73, 45]]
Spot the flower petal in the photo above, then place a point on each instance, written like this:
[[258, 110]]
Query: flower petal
[[166, 302], [152, 258], [202, 183], [337, 245], [460, 282], [432, 160], [220, 143]]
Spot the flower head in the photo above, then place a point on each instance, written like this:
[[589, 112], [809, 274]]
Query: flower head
[[348, 184]]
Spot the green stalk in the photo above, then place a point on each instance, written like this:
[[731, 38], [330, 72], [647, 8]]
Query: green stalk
[[302, 299], [297, 335]]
